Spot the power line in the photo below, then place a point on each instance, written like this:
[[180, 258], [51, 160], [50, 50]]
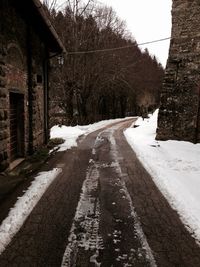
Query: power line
[[116, 48], [155, 41]]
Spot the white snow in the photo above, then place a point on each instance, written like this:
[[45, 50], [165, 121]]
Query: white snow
[[24, 205], [86, 218], [138, 227], [174, 167], [68, 133], [71, 134]]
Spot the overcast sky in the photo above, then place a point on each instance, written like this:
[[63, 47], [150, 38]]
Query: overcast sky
[[147, 20]]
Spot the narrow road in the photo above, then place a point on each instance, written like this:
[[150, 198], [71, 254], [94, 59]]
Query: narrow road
[[102, 210]]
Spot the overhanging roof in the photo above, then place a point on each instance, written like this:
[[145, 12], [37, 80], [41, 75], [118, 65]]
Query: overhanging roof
[[34, 13]]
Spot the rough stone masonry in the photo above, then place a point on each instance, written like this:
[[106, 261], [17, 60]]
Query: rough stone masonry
[[179, 114]]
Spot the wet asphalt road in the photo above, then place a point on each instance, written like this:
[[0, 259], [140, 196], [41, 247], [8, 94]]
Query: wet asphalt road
[[102, 210]]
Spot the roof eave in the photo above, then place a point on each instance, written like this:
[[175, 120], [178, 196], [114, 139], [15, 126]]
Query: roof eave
[[48, 23]]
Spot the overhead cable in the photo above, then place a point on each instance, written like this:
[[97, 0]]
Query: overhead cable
[[116, 48]]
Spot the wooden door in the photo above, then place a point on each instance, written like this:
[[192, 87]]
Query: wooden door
[[16, 126]]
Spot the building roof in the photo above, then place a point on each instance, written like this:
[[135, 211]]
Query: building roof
[[34, 13]]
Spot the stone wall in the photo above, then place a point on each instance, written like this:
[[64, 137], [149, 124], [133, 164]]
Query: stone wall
[[21, 71], [3, 110], [38, 91], [179, 114]]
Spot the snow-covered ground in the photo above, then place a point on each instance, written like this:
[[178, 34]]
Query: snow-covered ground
[[25, 204], [71, 134], [174, 167]]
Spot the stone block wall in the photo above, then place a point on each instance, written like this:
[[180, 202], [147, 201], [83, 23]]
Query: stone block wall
[[179, 114], [3, 110], [16, 76], [38, 91]]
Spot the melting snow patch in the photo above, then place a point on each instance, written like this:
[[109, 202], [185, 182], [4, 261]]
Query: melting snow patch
[[87, 219], [144, 243]]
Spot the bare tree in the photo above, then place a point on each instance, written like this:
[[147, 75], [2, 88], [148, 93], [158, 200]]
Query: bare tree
[[94, 82], [50, 5]]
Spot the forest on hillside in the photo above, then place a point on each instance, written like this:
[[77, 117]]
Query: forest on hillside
[[104, 73]]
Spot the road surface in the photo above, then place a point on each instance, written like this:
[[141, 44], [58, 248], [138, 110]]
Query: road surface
[[102, 210]]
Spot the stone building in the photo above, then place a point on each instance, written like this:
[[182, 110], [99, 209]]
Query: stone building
[[27, 41], [179, 114]]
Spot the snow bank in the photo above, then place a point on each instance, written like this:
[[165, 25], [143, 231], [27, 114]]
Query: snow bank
[[174, 167], [68, 133], [24, 205]]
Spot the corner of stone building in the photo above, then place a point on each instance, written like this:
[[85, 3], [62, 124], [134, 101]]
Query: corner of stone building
[[179, 115]]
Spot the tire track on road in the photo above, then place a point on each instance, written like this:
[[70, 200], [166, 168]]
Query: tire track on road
[[87, 242]]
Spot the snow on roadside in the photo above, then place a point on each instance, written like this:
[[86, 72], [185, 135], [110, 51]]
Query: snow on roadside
[[174, 167], [71, 134], [68, 133], [24, 205]]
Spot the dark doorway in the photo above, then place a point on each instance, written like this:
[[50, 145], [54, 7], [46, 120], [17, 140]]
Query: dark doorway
[[16, 126]]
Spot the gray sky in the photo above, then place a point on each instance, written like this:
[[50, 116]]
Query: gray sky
[[147, 20]]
